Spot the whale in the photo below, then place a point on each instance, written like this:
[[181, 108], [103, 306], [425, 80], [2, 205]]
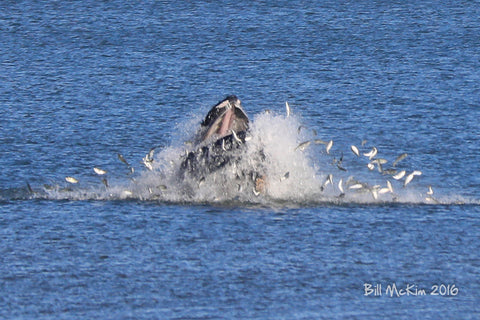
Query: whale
[[219, 139]]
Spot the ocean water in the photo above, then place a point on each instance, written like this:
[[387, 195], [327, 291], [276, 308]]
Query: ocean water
[[81, 82]]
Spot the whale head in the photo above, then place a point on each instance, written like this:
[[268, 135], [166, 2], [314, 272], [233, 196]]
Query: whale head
[[225, 117]]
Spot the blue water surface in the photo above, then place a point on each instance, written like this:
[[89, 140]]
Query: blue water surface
[[83, 81]]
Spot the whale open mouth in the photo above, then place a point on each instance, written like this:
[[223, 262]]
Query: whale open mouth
[[225, 117]]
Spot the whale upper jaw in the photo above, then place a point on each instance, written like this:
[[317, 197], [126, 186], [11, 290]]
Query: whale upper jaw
[[225, 117]]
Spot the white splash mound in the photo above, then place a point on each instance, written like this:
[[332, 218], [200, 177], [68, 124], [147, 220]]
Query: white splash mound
[[269, 157], [282, 162]]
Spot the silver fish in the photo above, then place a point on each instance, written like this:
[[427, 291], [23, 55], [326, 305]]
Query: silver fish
[[390, 171], [417, 173], [355, 150], [379, 167], [289, 111], [356, 186], [371, 154], [430, 190], [99, 171], [351, 180], [408, 179], [302, 146], [236, 137], [121, 158], [340, 186], [147, 163], [150, 154], [329, 180], [71, 180], [399, 158], [383, 190], [399, 175], [389, 185], [389, 188], [381, 160], [329, 146], [320, 141]]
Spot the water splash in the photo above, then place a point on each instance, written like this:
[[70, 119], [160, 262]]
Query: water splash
[[295, 167]]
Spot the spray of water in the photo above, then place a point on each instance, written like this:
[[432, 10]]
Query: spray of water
[[281, 163]]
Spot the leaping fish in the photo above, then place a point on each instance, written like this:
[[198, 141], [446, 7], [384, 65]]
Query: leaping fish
[[289, 111], [356, 186], [371, 154], [379, 163], [355, 150], [389, 188], [320, 141], [399, 175], [399, 158], [329, 146], [235, 136], [99, 171], [121, 158], [147, 163], [430, 190], [302, 146], [340, 186], [327, 181], [417, 173], [330, 178], [150, 154], [71, 180], [383, 190], [409, 178], [374, 191], [389, 171]]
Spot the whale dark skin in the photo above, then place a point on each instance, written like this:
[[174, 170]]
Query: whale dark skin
[[220, 141]]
